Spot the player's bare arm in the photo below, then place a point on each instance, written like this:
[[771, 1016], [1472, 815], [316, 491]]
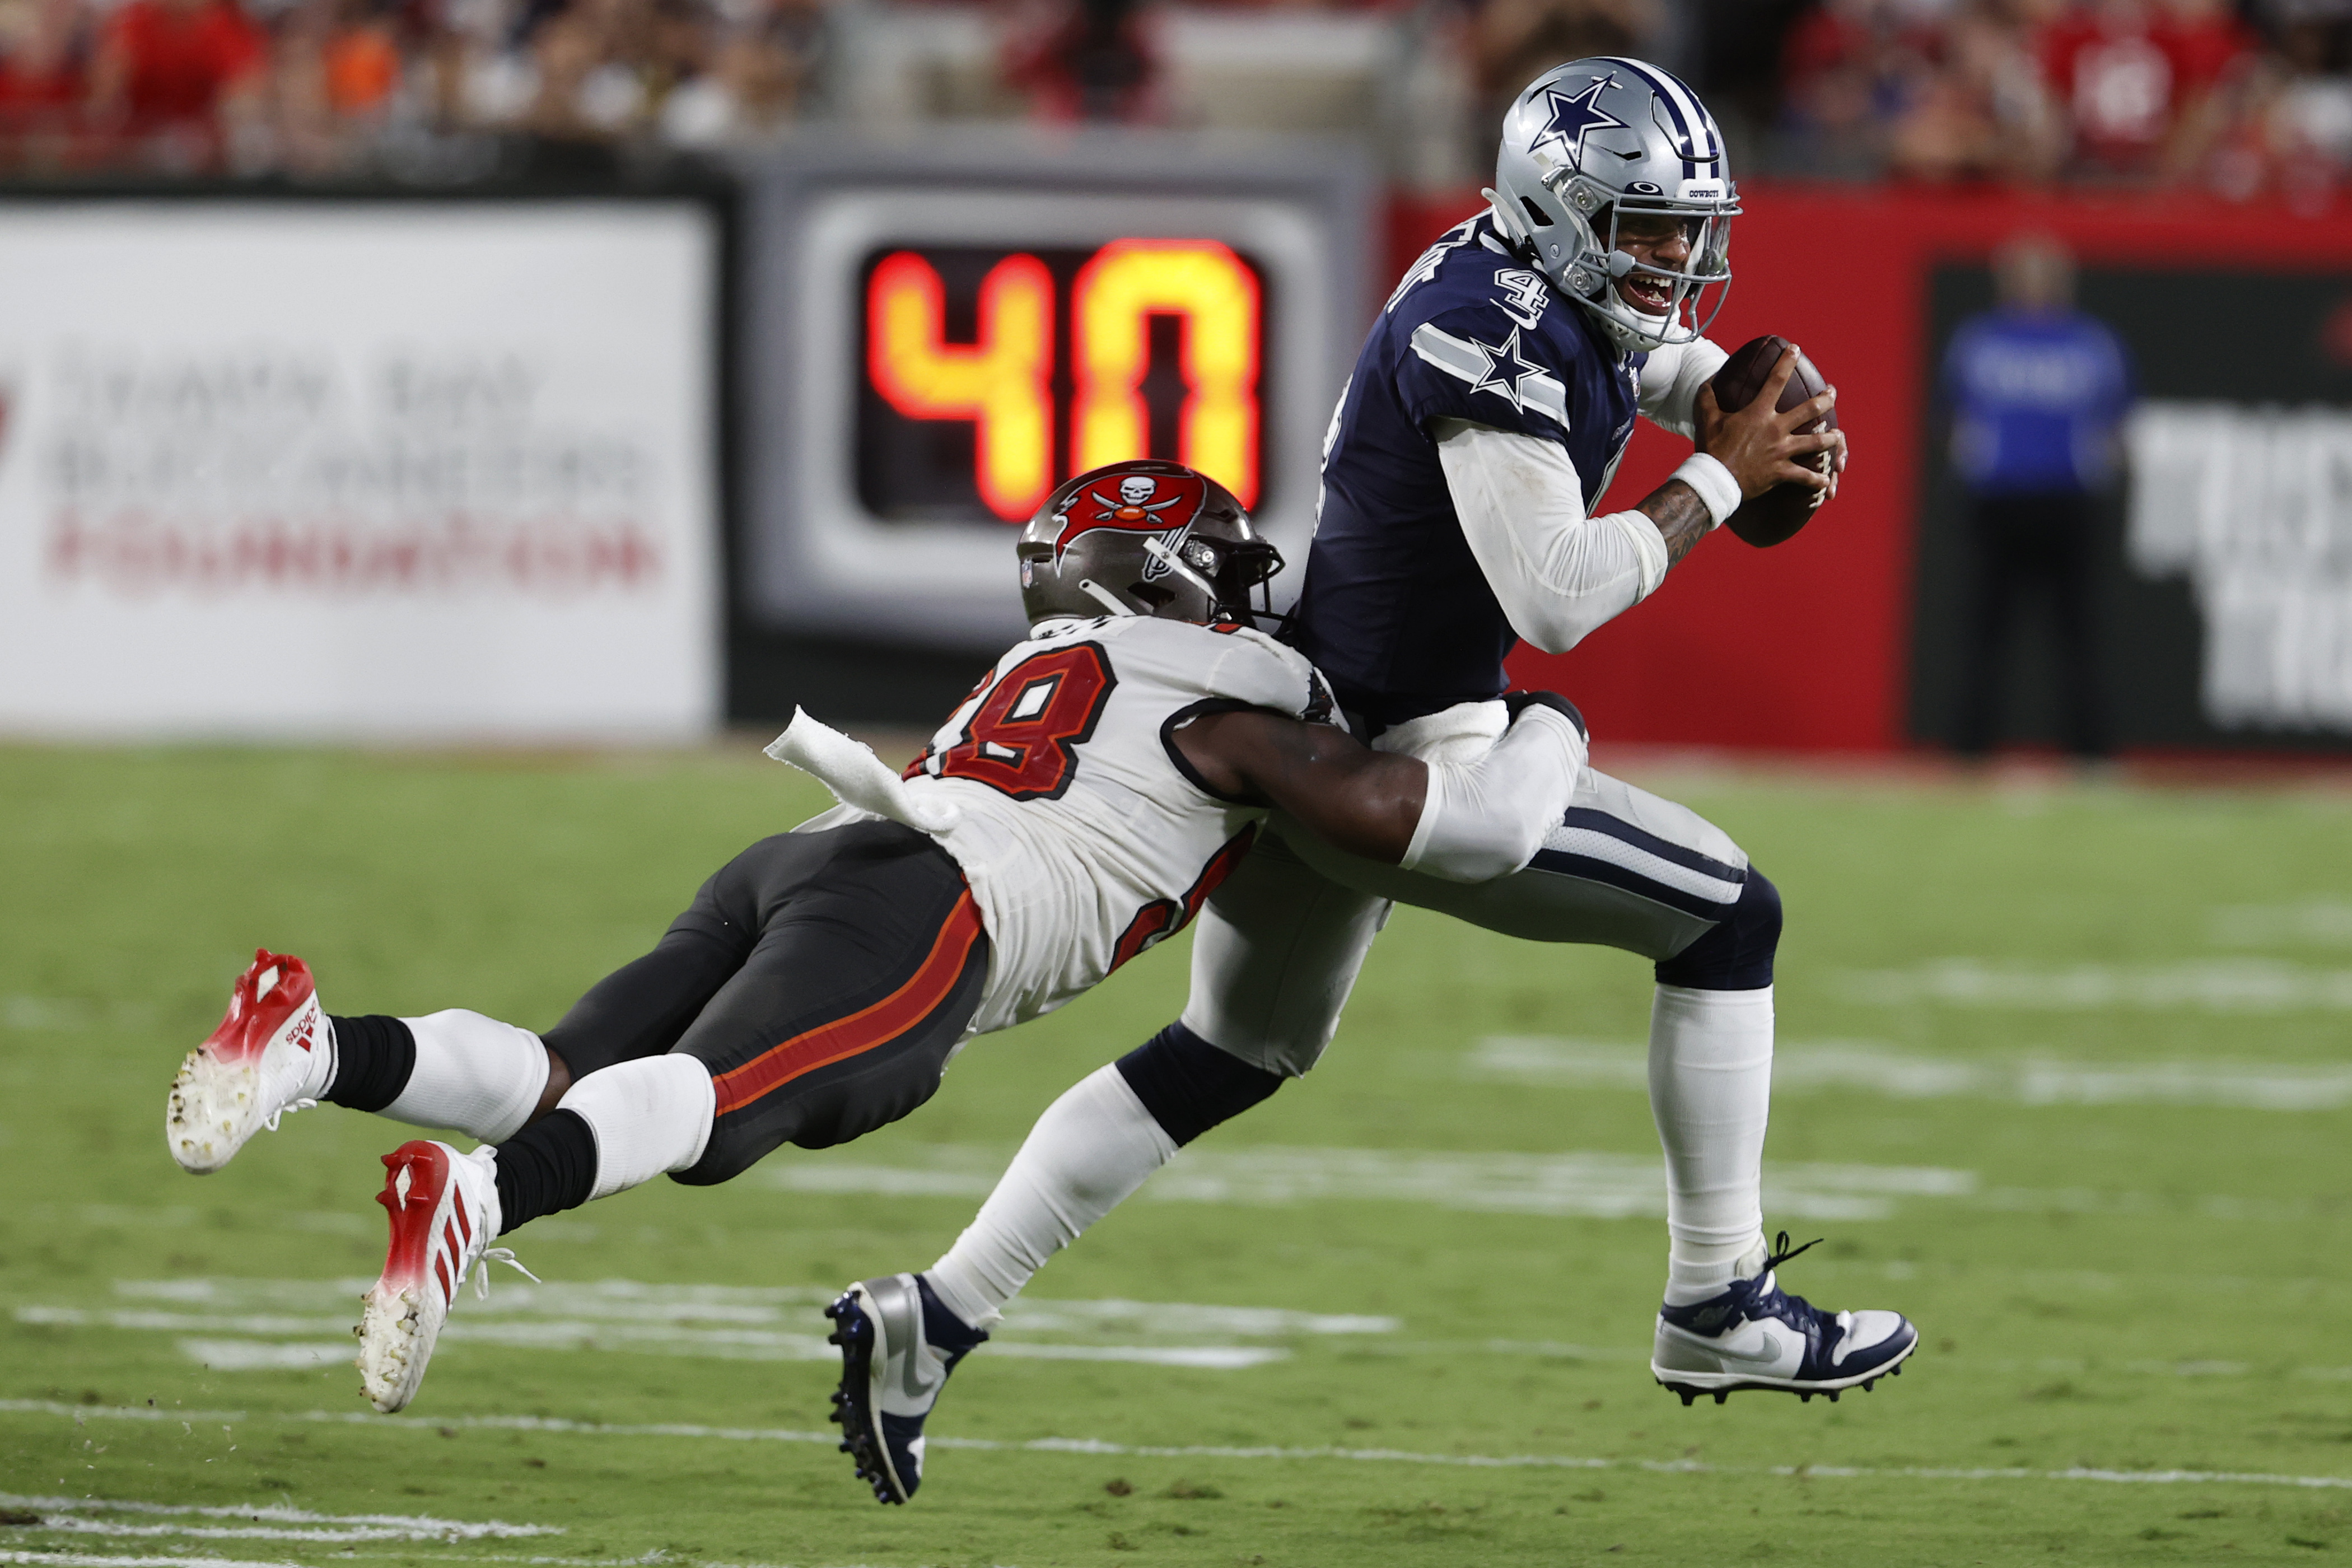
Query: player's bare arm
[[1365, 802], [1682, 517], [1462, 822]]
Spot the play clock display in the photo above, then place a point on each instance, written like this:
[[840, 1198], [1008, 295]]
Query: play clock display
[[989, 376], [941, 345]]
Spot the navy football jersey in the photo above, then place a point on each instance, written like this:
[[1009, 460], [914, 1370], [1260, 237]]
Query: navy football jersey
[[1394, 609]]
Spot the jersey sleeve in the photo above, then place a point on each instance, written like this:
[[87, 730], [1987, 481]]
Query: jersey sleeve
[[1475, 363], [1253, 670], [1671, 379]]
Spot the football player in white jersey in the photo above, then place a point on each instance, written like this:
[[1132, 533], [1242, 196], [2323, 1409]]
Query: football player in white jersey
[[1077, 807], [1489, 407]]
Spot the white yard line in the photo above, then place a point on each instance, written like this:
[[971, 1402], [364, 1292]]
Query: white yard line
[[66, 1524], [1591, 1184], [1098, 1447], [541, 1334], [2326, 921], [2214, 986], [84, 1560], [420, 1527], [1801, 1067], [630, 1301]]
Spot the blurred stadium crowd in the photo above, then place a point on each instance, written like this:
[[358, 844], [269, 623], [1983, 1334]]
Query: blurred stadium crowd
[[2243, 97]]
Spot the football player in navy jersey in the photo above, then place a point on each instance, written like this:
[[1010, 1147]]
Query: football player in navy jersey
[[1482, 424]]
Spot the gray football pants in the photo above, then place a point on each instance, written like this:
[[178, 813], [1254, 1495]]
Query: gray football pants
[[1280, 943]]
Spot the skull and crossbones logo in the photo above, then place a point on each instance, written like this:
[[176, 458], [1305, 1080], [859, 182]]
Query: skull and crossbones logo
[[1134, 503]]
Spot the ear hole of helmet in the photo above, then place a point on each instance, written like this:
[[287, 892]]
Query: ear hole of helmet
[[1540, 218], [1152, 593]]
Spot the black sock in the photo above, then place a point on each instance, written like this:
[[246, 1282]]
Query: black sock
[[1189, 1085], [546, 1168], [374, 1056], [942, 1326]]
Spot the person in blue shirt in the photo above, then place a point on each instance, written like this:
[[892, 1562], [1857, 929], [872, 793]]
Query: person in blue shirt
[[2038, 392]]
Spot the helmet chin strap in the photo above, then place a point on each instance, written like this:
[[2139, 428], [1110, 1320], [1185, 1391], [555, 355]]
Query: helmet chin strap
[[1506, 219], [1104, 597]]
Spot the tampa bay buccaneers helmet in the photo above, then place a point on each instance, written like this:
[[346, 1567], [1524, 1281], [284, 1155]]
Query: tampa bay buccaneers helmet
[[1146, 538]]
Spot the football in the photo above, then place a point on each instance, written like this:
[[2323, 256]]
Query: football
[[1777, 514]]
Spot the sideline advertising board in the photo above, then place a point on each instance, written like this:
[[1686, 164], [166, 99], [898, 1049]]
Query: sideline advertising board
[[939, 335], [359, 468]]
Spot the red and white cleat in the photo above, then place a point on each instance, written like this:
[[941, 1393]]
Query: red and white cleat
[[444, 1214], [274, 1052]]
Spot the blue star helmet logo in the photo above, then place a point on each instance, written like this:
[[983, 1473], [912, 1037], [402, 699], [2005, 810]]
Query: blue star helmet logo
[[1575, 117]]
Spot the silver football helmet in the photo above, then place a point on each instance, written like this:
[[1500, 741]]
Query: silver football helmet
[[1588, 144]]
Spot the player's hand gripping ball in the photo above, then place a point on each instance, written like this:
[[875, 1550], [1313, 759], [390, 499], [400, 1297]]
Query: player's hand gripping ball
[[1777, 514]]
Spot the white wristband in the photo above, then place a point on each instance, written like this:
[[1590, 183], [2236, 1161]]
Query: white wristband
[[1715, 487]]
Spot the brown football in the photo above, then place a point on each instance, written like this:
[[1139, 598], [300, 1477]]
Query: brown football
[[1777, 514]]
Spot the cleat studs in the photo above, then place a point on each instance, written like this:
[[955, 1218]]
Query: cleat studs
[[1687, 1396], [1805, 1396], [1721, 1394], [1833, 1395]]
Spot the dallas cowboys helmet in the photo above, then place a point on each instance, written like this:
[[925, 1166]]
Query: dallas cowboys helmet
[[1593, 141], [1146, 538]]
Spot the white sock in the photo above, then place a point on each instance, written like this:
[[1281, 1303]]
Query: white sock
[[650, 1115], [1711, 1093], [1093, 1147], [473, 1075]]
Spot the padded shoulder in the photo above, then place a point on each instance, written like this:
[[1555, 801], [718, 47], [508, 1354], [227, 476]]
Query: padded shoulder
[[1226, 664]]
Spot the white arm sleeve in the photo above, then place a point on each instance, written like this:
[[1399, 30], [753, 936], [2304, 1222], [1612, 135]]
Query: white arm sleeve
[[1557, 572], [1670, 383], [1487, 819]]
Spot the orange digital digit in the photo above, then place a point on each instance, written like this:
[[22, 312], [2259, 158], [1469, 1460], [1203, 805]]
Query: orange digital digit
[[1213, 290], [1004, 382]]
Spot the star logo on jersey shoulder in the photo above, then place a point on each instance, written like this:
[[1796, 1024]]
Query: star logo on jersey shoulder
[[1575, 116], [1506, 371]]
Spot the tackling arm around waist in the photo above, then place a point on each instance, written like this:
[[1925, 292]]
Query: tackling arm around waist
[[1465, 821]]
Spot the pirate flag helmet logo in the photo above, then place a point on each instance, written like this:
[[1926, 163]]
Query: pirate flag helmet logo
[[1145, 538]]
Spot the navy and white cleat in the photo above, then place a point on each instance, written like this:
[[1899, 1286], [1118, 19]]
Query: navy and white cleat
[[1752, 1336], [897, 1345]]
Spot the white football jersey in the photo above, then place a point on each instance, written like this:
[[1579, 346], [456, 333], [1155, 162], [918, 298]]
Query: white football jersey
[[1086, 837]]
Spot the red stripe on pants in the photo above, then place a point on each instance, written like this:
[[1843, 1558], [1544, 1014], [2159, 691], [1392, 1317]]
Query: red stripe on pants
[[863, 1030]]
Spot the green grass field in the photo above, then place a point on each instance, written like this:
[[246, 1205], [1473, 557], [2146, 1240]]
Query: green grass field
[[2065, 1074]]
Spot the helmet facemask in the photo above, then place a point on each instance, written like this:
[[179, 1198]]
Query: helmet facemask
[[1592, 144], [1698, 289]]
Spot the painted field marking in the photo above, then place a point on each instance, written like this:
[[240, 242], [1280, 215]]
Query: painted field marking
[[2320, 921], [1800, 1067], [84, 1560], [220, 1331], [635, 1301], [2216, 986], [381, 1526], [1093, 1446], [267, 1355], [1584, 1183]]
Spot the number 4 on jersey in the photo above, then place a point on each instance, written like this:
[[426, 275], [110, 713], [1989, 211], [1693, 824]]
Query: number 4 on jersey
[[1023, 737]]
